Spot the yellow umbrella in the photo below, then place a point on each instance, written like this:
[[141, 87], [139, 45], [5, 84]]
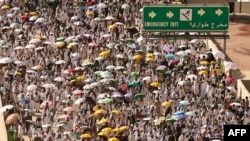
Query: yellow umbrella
[[124, 128], [106, 130], [5, 7], [150, 55], [104, 54], [98, 107], [216, 71], [38, 36], [103, 121], [166, 104], [204, 62], [137, 57], [116, 130], [60, 44], [93, 116], [33, 13], [113, 26], [102, 134], [80, 78], [221, 85], [89, 13], [100, 111], [87, 60], [113, 139], [212, 62], [70, 46], [150, 59], [155, 84], [117, 112], [86, 136], [204, 72]]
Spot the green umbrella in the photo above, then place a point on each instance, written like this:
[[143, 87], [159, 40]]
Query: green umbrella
[[134, 75], [29, 111], [139, 51], [138, 96], [129, 40], [105, 101], [61, 124], [98, 73], [60, 39], [190, 113], [133, 84], [170, 120]]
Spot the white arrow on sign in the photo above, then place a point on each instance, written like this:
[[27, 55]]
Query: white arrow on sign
[[152, 14], [201, 12], [218, 12], [169, 14]]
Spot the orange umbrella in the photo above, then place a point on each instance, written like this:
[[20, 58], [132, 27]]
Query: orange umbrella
[[11, 118]]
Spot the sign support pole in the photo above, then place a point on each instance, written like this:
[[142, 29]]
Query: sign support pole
[[225, 43]]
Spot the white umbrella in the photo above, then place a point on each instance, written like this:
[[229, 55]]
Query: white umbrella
[[120, 68], [16, 8], [147, 78], [203, 56], [76, 55], [139, 39], [6, 107], [235, 104], [59, 79], [111, 45], [31, 87], [5, 60], [14, 25], [74, 18], [106, 35], [160, 68], [202, 68], [230, 65], [88, 87], [99, 58], [47, 85], [40, 20], [33, 18], [78, 23], [182, 46], [19, 62], [30, 71], [120, 56], [19, 48], [182, 82], [109, 18], [190, 51], [102, 5], [184, 102], [59, 62], [231, 88], [39, 48], [111, 67], [125, 6], [95, 84], [192, 76], [79, 101], [119, 23], [181, 53], [34, 41], [30, 46], [11, 15], [88, 80], [218, 54]]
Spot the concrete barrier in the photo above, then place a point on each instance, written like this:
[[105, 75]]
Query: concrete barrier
[[3, 132], [243, 91], [240, 17]]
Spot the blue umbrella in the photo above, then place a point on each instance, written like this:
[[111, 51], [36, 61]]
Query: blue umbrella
[[179, 113], [178, 117], [170, 56], [25, 100], [134, 46], [190, 113], [133, 84]]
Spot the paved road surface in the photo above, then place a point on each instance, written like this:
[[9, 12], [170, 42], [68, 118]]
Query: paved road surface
[[238, 49], [3, 132]]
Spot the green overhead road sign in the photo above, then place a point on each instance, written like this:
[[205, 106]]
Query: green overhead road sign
[[185, 18]]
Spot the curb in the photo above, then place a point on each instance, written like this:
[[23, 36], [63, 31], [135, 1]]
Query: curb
[[3, 133]]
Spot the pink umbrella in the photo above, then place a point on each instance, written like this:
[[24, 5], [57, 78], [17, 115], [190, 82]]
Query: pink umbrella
[[46, 102], [174, 62], [63, 117], [68, 109], [76, 92], [229, 80], [93, 44]]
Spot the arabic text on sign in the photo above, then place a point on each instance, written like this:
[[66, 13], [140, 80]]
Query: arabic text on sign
[[207, 25], [161, 24]]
